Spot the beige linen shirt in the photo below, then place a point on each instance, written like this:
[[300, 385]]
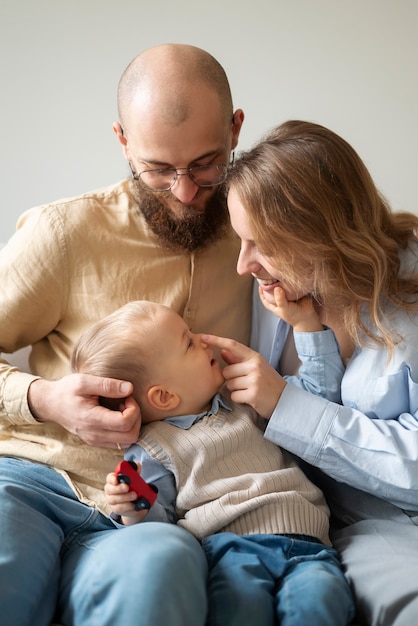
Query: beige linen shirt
[[73, 262]]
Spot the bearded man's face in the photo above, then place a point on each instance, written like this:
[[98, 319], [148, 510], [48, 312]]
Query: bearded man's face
[[180, 227]]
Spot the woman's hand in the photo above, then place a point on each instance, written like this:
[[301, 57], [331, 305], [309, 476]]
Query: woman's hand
[[249, 378], [301, 315]]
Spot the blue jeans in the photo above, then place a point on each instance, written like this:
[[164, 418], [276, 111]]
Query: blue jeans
[[275, 579], [60, 558]]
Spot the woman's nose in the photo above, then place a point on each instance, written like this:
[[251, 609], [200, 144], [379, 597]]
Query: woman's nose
[[246, 263]]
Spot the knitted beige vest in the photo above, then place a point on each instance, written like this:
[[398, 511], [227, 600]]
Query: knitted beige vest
[[230, 478]]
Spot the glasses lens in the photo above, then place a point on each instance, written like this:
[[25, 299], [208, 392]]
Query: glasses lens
[[208, 175], [158, 180], [202, 175]]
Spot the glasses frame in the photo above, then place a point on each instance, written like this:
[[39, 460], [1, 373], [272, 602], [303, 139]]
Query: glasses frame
[[181, 171]]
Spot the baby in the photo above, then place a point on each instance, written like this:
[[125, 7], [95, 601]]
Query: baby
[[262, 523]]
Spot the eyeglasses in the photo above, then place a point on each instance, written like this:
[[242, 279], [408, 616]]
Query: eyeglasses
[[164, 179]]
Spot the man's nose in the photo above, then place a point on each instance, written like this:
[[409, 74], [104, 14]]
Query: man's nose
[[184, 189]]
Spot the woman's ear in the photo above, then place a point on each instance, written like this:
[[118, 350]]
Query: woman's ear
[[161, 399]]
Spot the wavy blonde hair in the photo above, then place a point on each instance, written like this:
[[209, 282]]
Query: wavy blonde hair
[[312, 205]]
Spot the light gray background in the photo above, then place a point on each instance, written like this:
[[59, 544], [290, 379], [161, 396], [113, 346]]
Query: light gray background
[[351, 65]]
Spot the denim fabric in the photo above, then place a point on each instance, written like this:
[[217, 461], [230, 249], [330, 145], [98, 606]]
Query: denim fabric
[[269, 579], [58, 552]]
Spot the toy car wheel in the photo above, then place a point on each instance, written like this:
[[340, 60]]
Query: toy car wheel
[[123, 478], [141, 504]]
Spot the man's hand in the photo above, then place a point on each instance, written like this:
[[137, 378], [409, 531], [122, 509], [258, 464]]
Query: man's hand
[[74, 403], [249, 378]]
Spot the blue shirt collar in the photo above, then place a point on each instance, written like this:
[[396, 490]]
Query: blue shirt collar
[[186, 421]]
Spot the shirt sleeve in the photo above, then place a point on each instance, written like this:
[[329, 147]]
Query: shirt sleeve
[[164, 508], [370, 440], [321, 368], [379, 456], [32, 275]]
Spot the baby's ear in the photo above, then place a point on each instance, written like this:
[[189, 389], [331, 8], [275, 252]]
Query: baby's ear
[[160, 398]]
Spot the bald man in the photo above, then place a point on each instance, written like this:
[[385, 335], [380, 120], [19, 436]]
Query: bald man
[[161, 235]]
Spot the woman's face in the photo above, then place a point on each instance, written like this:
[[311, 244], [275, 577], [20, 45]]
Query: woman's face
[[252, 261]]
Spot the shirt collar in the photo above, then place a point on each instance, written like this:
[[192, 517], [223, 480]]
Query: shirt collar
[[186, 421]]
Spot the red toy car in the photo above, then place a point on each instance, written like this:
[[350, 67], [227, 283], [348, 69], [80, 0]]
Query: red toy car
[[127, 472]]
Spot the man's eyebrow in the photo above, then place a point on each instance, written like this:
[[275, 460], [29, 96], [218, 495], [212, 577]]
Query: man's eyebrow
[[162, 164]]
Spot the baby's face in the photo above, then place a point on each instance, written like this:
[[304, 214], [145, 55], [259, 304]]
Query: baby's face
[[183, 362]]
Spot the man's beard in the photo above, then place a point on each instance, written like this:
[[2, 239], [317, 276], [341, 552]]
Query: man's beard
[[182, 234]]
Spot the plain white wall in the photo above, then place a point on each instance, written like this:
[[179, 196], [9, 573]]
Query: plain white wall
[[349, 65]]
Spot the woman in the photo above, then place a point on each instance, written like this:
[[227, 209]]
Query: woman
[[314, 226]]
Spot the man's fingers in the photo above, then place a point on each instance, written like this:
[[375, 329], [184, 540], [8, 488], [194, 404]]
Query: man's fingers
[[106, 387], [112, 429]]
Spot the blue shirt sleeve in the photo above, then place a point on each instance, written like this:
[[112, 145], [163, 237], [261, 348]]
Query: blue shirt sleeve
[[321, 368], [371, 441]]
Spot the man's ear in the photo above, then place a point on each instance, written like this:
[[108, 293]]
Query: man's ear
[[237, 122], [118, 130], [160, 398]]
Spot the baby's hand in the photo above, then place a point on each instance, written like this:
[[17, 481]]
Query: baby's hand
[[301, 315], [122, 501]]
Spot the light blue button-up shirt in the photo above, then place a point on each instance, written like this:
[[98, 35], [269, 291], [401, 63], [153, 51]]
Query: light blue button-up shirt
[[370, 439]]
